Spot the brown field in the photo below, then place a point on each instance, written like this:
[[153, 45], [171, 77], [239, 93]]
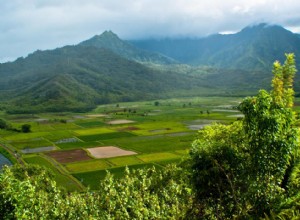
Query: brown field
[[69, 156], [109, 151], [119, 122]]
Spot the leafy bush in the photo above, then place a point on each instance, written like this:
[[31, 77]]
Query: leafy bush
[[241, 170]]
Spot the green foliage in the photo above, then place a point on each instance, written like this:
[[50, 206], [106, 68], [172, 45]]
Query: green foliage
[[111, 41], [252, 48], [33, 195], [6, 154], [77, 78], [146, 194], [26, 128], [4, 124], [242, 170], [217, 170], [29, 193], [105, 136]]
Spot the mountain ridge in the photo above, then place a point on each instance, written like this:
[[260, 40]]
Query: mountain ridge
[[253, 48], [77, 78], [105, 69], [111, 41]]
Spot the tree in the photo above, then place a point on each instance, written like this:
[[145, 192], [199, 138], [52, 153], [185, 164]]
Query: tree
[[243, 169], [4, 124], [216, 166], [30, 193], [26, 128], [146, 194]]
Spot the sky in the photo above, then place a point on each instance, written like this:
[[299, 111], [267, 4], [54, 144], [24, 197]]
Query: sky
[[29, 25]]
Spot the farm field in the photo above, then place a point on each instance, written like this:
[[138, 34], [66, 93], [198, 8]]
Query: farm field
[[80, 148]]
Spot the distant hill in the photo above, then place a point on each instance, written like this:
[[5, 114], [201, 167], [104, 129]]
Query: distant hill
[[106, 69], [111, 41], [253, 48], [77, 78]]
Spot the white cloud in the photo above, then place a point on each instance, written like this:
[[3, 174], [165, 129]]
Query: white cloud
[[40, 24]]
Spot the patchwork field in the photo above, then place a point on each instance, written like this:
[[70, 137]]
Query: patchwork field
[[108, 151], [80, 148], [69, 156]]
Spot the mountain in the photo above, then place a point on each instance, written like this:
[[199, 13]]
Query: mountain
[[106, 69], [77, 78], [111, 41], [253, 48]]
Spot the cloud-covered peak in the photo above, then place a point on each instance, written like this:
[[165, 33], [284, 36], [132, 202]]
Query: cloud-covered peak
[[39, 24]]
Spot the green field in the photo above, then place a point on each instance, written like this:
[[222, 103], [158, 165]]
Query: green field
[[32, 143], [87, 166], [61, 179], [92, 179], [161, 134]]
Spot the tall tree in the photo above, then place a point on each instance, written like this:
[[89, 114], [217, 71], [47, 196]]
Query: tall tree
[[244, 166]]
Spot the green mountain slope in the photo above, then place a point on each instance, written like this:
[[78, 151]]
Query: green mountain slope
[[111, 41], [80, 77], [104, 69], [253, 48]]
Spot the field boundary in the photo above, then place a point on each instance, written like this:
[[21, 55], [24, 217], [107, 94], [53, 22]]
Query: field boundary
[[62, 170]]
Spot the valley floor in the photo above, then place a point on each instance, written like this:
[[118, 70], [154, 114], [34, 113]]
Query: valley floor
[[80, 148]]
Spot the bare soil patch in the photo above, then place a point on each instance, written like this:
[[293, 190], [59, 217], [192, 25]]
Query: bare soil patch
[[121, 121], [109, 151], [69, 156]]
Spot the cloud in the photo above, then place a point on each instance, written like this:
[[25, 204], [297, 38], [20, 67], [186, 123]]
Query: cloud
[[41, 24]]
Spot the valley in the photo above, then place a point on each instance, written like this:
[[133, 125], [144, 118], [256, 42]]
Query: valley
[[107, 69], [149, 110], [132, 134]]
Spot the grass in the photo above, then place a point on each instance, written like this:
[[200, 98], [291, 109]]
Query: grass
[[74, 145], [90, 123], [87, 166], [58, 135], [160, 127], [26, 136], [125, 161], [160, 134], [61, 180], [106, 136], [92, 179], [92, 131], [34, 143], [6, 154], [158, 157], [152, 144], [167, 162]]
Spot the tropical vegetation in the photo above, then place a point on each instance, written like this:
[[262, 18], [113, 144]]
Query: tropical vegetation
[[246, 170]]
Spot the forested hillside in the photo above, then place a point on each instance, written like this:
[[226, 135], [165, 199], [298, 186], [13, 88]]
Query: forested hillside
[[245, 170], [106, 69], [111, 41], [253, 48], [79, 78]]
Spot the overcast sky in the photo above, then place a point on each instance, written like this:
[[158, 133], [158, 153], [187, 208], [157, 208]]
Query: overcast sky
[[28, 25]]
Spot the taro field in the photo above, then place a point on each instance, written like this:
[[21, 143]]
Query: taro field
[[79, 148]]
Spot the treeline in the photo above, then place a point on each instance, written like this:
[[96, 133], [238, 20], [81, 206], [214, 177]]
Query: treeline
[[246, 170]]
